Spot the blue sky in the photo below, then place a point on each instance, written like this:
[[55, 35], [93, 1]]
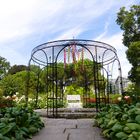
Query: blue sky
[[24, 24]]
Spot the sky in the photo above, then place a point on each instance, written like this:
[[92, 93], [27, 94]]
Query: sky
[[25, 24]]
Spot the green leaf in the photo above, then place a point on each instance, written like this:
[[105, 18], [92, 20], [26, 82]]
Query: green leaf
[[8, 128], [2, 125], [135, 134], [130, 121], [112, 135], [1, 136], [19, 136], [121, 136], [4, 120], [5, 138], [105, 132], [125, 117], [117, 127], [100, 121], [111, 123], [25, 129], [131, 138], [138, 105], [127, 130], [137, 111], [33, 129], [137, 119], [133, 126]]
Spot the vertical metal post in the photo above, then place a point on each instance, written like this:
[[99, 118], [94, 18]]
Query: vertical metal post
[[95, 80], [27, 84], [47, 90], [37, 89], [53, 74], [56, 90]]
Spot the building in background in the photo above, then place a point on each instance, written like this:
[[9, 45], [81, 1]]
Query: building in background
[[116, 86]]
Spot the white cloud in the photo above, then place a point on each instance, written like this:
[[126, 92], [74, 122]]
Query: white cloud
[[20, 18], [57, 19], [116, 41], [104, 32], [69, 34]]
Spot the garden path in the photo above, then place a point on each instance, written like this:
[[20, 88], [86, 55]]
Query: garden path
[[69, 129]]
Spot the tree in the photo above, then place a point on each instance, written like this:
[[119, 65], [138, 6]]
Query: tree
[[133, 55], [17, 68], [129, 21], [9, 85], [4, 67]]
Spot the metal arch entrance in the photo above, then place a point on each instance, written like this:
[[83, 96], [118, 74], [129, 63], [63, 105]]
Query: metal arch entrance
[[63, 60]]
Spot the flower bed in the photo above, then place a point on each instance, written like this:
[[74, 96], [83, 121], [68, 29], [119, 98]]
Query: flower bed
[[6, 102], [120, 122], [18, 123]]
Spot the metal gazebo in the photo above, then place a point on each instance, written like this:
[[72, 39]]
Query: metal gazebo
[[92, 65]]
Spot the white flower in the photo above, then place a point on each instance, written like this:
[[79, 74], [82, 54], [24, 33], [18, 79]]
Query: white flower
[[7, 97], [17, 93], [29, 99], [119, 98], [14, 96], [16, 99]]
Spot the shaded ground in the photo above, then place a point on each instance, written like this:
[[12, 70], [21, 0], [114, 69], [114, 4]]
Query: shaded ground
[[68, 129], [70, 113]]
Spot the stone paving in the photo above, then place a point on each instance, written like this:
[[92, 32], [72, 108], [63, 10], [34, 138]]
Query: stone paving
[[69, 129]]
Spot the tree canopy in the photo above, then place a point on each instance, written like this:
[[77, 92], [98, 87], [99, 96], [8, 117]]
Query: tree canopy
[[4, 67], [129, 21], [17, 68]]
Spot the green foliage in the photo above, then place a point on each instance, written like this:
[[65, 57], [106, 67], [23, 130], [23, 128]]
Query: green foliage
[[18, 123], [17, 68], [74, 90], [70, 90], [41, 103], [6, 102], [129, 21], [134, 92], [114, 98], [89, 105], [4, 67], [76, 76], [59, 104], [120, 122], [133, 55], [9, 85], [93, 105]]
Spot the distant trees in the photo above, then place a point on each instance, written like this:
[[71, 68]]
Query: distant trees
[[4, 67], [10, 85], [17, 68], [78, 75], [12, 79]]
